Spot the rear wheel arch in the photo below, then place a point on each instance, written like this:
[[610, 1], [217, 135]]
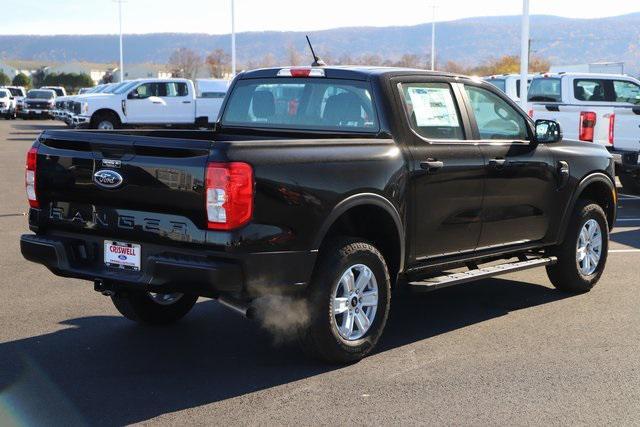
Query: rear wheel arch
[[599, 188], [372, 217]]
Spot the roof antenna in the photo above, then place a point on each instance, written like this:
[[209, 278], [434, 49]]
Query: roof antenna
[[317, 61]]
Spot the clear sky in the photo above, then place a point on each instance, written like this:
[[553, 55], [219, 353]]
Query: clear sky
[[213, 16]]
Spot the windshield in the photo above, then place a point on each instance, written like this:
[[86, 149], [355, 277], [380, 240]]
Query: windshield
[[114, 87], [15, 91], [57, 90], [545, 89], [125, 87], [40, 94], [302, 103]]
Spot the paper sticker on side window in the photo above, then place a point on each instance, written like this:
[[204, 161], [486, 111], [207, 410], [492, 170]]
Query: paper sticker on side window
[[433, 106]]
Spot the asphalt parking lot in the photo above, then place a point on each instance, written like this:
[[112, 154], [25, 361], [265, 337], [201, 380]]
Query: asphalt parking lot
[[501, 351]]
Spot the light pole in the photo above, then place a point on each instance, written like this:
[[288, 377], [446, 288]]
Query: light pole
[[233, 39], [120, 24], [433, 39], [524, 54]]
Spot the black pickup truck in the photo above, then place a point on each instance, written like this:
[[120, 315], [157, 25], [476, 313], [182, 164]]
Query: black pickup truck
[[331, 186]]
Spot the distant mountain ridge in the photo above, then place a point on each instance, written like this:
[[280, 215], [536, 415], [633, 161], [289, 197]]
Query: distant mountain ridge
[[468, 41]]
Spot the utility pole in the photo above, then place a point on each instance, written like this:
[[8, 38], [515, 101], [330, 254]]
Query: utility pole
[[433, 38], [524, 54], [233, 39], [120, 24]]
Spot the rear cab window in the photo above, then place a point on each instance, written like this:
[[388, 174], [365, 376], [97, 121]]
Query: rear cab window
[[545, 89], [302, 103], [431, 110]]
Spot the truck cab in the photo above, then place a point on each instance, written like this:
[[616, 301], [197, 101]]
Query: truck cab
[[508, 83]]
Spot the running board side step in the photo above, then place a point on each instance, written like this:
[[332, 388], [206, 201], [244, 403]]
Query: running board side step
[[480, 273]]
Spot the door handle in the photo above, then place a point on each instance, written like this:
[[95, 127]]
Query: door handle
[[186, 102], [432, 165], [497, 162], [156, 102]]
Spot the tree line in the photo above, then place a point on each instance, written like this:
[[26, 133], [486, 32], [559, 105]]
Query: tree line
[[70, 81], [185, 62]]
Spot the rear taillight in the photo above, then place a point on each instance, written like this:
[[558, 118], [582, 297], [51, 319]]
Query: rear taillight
[[30, 178], [612, 125], [531, 113], [228, 195], [587, 125]]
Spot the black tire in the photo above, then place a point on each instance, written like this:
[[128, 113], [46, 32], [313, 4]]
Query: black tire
[[565, 274], [105, 117], [630, 183], [140, 307], [321, 339]]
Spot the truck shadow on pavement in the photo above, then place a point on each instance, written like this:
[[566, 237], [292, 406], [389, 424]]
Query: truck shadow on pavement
[[104, 370]]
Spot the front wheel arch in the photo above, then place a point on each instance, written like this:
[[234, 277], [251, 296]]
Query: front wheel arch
[[104, 112]]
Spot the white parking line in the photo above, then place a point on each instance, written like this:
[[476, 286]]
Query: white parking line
[[628, 197], [622, 251], [627, 219]]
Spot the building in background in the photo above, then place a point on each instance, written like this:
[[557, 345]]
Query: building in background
[[142, 71], [95, 71]]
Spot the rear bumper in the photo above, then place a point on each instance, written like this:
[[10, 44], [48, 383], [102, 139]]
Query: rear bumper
[[169, 269], [627, 161]]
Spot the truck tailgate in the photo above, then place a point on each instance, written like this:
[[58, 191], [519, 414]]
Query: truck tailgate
[[626, 135], [160, 196]]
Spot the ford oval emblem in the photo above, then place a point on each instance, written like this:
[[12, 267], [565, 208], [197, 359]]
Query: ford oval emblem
[[107, 178]]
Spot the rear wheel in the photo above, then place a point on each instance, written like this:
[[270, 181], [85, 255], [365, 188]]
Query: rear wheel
[[583, 254], [630, 183], [154, 308], [349, 299]]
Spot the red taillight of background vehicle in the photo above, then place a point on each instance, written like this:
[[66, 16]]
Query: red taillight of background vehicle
[[587, 125], [228, 195], [30, 177], [531, 113], [612, 125]]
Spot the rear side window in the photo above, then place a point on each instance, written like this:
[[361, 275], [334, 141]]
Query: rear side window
[[496, 119], [431, 110], [302, 103], [590, 90], [176, 89], [626, 91], [545, 90]]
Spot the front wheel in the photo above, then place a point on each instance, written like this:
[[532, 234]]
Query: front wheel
[[154, 308], [583, 254], [349, 299], [105, 121]]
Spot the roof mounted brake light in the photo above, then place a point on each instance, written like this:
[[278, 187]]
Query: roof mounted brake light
[[301, 72]]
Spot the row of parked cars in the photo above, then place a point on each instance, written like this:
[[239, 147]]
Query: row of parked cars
[[144, 102], [591, 107]]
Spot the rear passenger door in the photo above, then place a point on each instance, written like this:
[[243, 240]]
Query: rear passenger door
[[521, 177], [179, 105], [447, 170]]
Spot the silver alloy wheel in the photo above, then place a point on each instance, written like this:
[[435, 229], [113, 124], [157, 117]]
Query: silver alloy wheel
[[165, 299], [105, 125], [355, 302], [589, 247]]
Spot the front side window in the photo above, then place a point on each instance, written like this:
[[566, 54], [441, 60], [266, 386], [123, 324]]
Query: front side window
[[146, 90], [545, 89], [626, 91], [496, 119], [4, 93], [590, 90], [431, 110], [302, 103]]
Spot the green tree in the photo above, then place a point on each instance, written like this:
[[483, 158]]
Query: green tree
[[22, 80], [4, 79]]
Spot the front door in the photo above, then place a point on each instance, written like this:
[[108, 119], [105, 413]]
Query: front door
[[447, 171], [521, 177]]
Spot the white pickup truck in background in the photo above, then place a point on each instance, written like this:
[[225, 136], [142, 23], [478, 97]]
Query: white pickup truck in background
[[147, 102], [508, 83], [599, 108]]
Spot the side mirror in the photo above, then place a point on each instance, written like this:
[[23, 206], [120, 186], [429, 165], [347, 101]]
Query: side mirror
[[133, 95], [548, 131]]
